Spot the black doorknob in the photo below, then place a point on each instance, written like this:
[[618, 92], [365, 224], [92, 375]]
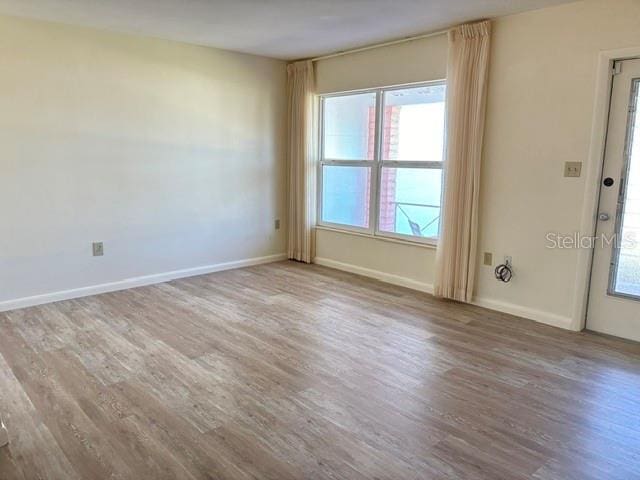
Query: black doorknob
[[608, 182]]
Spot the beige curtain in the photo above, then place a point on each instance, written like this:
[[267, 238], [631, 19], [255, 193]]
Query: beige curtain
[[467, 78], [301, 161]]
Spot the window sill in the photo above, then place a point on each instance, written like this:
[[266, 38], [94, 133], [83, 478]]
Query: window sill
[[430, 245]]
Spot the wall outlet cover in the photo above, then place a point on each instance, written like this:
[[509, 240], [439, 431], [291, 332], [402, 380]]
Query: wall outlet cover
[[98, 249], [572, 169]]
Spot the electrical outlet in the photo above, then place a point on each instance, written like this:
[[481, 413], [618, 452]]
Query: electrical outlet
[[98, 249], [277, 224], [488, 258], [572, 169]]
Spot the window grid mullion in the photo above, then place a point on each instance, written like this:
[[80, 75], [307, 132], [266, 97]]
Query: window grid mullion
[[376, 169], [411, 164], [320, 171], [348, 163], [384, 163]]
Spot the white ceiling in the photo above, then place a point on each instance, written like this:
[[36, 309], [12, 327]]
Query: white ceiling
[[286, 29]]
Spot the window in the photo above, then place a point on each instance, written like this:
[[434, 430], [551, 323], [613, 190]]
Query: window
[[381, 161]]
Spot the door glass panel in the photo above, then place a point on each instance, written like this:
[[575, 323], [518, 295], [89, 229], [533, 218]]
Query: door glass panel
[[626, 278]]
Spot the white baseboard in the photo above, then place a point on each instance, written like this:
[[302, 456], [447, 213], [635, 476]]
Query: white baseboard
[[134, 282], [378, 275], [540, 316]]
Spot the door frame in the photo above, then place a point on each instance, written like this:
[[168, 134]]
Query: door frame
[[593, 174]]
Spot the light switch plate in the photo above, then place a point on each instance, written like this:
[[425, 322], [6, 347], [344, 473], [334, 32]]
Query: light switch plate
[[488, 258], [572, 169]]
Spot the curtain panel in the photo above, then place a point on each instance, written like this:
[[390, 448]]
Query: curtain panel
[[301, 161], [467, 79]]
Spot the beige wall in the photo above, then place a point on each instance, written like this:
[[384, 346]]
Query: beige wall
[[541, 101], [171, 154]]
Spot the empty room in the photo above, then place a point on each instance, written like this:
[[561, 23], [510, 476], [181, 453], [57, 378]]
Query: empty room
[[319, 239]]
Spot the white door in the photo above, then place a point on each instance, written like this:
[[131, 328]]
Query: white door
[[614, 298]]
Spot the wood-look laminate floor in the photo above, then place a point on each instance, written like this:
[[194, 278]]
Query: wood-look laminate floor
[[287, 371]]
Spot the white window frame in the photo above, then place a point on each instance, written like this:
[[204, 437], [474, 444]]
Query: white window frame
[[376, 166]]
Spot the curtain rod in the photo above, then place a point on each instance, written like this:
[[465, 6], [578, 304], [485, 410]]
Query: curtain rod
[[378, 45]]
